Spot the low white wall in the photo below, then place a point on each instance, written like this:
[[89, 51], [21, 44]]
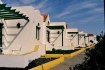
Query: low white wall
[[19, 61], [11, 61]]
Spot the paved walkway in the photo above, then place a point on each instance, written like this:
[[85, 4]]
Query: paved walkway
[[70, 62]]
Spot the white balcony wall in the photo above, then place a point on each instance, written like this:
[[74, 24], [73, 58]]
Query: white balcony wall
[[13, 30], [14, 22], [73, 41]]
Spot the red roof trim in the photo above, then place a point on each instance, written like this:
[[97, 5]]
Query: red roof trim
[[45, 17], [90, 35]]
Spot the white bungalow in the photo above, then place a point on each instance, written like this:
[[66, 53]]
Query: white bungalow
[[45, 37], [72, 37], [89, 38], [21, 35], [56, 35], [82, 39]]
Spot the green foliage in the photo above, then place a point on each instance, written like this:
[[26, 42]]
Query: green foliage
[[32, 64], [38, 62], [91, 41], [98, 38], [54, 51]]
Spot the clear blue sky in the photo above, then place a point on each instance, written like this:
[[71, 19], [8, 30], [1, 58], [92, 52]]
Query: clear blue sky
[[86, 15]]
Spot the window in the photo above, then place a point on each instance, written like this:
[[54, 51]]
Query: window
[[72, 35], [48, 23], [38, 24], [58, 32], [1, 26], [37, 32], [18, 25], [48, 36]]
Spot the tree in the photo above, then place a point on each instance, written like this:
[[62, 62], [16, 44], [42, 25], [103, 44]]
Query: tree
[[98, 38], [91, 41]]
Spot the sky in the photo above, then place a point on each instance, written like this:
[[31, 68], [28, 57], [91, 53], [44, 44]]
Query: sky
[[86, 15]]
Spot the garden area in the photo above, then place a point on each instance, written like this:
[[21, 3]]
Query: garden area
[[54, 51], [38, 62], [32, 64]]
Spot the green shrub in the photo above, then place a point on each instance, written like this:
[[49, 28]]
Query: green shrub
[[59, 51], [38, 62]]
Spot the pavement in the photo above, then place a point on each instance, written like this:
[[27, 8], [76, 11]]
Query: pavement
[[70, 62]]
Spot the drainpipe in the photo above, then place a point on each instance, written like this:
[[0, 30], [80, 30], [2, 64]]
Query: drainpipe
[[78, 39], [62, 37], [88, 39], [85, 40], [1, 26]]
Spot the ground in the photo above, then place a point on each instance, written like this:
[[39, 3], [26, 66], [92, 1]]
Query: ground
[[70, 62]]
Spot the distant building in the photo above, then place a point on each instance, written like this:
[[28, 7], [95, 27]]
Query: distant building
[[72, 37], [90, 38]]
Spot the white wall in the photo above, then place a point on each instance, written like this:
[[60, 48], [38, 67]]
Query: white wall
[[95, 40], [87, 40], [49, 46], [72, 41], [82, 42], [26, 40], [44, 29], [58, 41], [82, 39], [20, 61], [91, 38], [11, 61]]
